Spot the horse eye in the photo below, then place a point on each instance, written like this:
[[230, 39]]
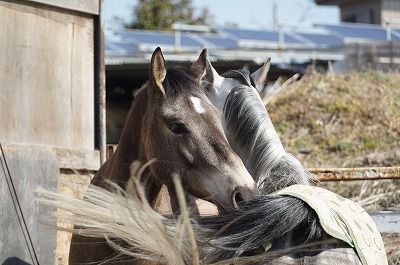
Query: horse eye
[[178, 128]]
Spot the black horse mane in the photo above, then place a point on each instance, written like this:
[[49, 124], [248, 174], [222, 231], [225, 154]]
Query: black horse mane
[[280, 221]]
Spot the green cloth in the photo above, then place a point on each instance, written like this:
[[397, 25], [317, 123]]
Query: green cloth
[[345, 220]]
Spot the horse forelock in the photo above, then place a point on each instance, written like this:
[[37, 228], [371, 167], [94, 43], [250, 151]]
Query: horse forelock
[[243, 76], [256, 141], [178, 81]]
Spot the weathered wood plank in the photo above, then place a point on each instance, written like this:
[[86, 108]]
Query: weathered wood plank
[[78, 159], [67, 158], [46, 76], [77, 166], [29, 168], [85, 6]]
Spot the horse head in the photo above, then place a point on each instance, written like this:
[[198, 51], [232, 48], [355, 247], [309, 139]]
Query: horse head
[[219, 86], [249, 128], [183, 131]]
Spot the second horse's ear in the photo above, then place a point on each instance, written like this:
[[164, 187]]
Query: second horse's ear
[[260, 76], [198, 68], [212, 77], [158, 71]]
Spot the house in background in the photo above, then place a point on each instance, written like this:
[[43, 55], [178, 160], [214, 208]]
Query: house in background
[[367, 11]]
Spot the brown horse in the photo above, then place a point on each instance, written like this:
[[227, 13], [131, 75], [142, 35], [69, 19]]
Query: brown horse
[[173, 124]]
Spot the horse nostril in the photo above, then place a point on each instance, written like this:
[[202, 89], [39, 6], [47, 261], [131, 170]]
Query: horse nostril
[[237, 197]]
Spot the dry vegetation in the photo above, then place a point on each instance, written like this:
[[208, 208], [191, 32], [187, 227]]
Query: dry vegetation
[[350, 120], [341, 120]]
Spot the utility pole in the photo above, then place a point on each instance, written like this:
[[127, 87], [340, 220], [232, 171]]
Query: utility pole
[[275, 14]]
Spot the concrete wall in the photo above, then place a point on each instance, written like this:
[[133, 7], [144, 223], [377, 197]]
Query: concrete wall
[[391, 9], [367, 11]]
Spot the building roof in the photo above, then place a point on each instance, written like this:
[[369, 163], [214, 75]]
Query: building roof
[[286, 44]]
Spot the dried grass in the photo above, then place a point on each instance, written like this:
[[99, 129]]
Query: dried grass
[[350, 120], [344, 120]]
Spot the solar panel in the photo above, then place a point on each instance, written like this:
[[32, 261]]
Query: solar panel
[[157, 37], [291, 39], [120, 47], [244, 34], [358, 31], [323, 40], [219, 42], [395, 34], [320, 36], [258, 35]]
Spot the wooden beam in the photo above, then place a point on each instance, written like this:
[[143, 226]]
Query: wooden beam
[[84, 6], [77, 159]]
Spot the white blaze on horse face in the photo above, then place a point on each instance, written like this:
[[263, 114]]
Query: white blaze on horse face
[[197, 105]]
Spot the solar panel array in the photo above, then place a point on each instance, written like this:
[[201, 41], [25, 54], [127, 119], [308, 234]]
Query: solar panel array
[[360, 32], [319, 36]]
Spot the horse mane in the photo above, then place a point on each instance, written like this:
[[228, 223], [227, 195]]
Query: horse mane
[[252, 135], [126, 220], [255, 224], [243, 76], [178, 81]]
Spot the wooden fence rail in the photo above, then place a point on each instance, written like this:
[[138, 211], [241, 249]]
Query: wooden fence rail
[[387, 222], [335, 174], [358, 173]]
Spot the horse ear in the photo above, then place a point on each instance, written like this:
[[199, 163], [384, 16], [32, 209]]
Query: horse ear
[[198, 68], [212, 76], [260, 75], [158, 70]]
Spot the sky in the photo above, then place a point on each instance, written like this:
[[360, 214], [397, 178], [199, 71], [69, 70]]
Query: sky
[[247, 14]]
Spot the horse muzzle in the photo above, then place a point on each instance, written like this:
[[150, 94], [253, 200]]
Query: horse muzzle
[[241, 193], [244, 193]]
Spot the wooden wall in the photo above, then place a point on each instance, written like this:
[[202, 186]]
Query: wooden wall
[[30, 168], [46, 75], [48, 88]]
